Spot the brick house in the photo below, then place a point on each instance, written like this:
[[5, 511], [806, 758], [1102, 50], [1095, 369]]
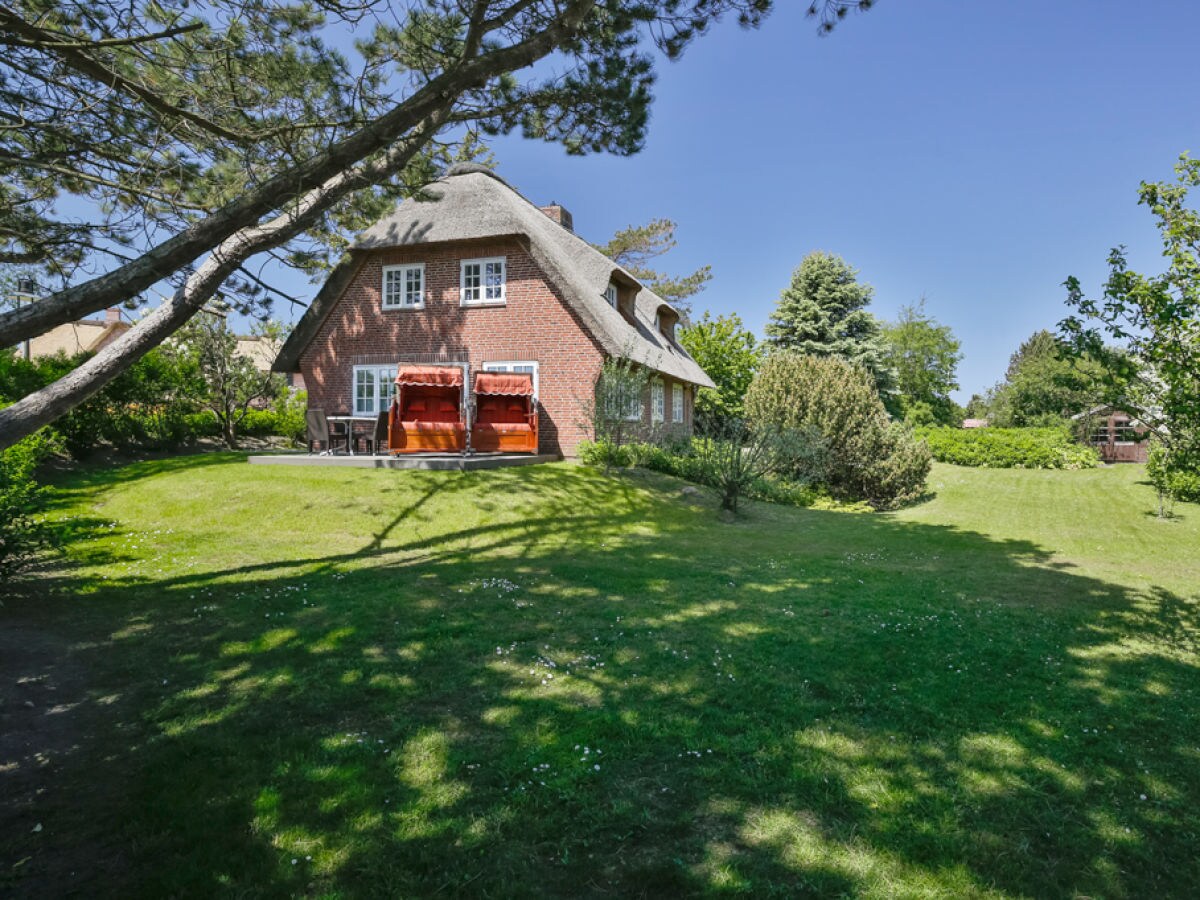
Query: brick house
[[479, 277]]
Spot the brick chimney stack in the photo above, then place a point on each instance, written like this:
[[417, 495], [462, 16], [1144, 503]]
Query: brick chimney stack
[[112, 315], [560, 215]]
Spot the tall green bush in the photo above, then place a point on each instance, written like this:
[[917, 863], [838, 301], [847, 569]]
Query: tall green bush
[[1174, 474], [148, 406], [868, 459], [22, 533]]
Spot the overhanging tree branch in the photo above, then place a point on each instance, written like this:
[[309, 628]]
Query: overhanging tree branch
[[127, 281], [44, 406]]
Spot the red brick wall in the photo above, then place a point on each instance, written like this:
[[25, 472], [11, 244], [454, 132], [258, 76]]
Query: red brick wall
[[534, 324]]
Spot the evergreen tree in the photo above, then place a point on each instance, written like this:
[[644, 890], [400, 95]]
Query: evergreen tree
[[634, 247], [823, 313]]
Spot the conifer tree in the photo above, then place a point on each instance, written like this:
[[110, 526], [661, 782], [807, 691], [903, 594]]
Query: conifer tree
[[823, 313]]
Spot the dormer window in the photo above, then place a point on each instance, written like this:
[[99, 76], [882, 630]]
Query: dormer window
[[610, 294], [665, 320]]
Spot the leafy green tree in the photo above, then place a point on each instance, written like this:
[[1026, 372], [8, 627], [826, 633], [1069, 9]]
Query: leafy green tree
[[1156, 321], [232, 384], [199, 136], [823, 313], [636, 246], [730, 354], [977, 407], [1046, 384], [925, 357]]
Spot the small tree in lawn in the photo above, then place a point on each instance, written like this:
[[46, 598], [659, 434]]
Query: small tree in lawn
[[614, 412], [739, 455], [231, 381], [925, 356], [1157, 319]]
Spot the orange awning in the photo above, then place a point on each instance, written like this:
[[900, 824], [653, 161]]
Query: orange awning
[[518, 384], [440, 376]]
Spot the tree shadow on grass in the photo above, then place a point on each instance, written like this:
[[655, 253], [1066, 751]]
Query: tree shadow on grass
[[610, 693]]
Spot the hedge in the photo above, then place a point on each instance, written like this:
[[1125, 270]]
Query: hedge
[[1009, 448]]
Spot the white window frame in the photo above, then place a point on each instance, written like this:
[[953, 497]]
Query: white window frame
[[636, 409], [509, 365], [483, 263], [610, 294], [404, 271], [383, 388], [658, 401], [677, 403]]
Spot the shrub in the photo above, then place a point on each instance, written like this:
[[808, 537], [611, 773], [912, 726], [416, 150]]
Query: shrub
[[866, 457], [604, 454], [1174, 474], [1010, 448], [289, 415], [146, 406], [22, 534]]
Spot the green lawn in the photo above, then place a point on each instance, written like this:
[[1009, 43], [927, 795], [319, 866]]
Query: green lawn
[[546, 682]]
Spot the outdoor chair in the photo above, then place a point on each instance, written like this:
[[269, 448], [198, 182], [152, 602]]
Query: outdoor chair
[[376, 441], [319, 432]]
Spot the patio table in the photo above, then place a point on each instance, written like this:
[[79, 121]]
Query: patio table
[[350, 420]]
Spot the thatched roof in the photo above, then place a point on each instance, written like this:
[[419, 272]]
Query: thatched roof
[[472, 203]]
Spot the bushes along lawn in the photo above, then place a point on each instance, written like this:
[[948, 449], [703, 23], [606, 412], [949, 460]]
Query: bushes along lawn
[[1009, 448]]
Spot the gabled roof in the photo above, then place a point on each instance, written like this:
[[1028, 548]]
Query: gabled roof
[[471, 203]]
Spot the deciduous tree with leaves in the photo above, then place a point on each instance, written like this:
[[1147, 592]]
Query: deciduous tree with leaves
[[730, 354], [231, 384], [1156, 321], [1046, 384], [199, 137], [925, 356]]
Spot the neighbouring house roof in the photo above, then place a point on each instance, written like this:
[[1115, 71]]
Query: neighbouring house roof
[[975, 423], [88, 335], [258, 351], [473, 203]]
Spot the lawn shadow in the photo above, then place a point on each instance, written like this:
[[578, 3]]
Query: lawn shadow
[[614, 694]]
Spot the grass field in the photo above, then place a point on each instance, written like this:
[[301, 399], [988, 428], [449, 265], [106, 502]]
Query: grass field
[[547, 682]]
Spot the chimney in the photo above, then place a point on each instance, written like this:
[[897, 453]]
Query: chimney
[[112, 316], [560, 215]]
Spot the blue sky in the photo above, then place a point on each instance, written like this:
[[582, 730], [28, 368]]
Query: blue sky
[[974, 153]]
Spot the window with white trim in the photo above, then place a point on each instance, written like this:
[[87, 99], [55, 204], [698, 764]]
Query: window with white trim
[[657, 401], [677, 403], [373, 388], [610, 294], [634, 407], [404, 286], [515, 365], [482, 281]]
